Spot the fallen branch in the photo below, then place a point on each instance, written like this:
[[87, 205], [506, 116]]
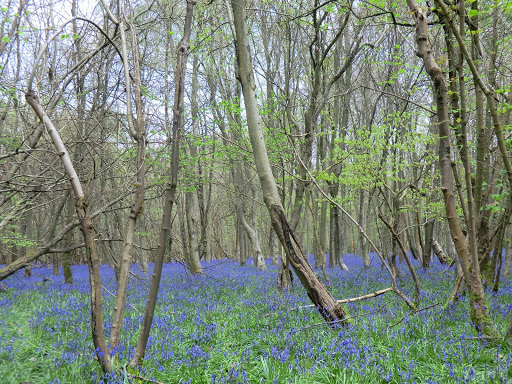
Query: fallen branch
[[111, 294], [406, 257], [413, 313], [483, 337], [124, 372], [344, 301], [339, 321]]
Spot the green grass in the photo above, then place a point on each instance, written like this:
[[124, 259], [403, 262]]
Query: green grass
[[239, 328]]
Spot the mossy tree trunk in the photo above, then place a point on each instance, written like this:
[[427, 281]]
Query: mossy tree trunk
[[469, 261]]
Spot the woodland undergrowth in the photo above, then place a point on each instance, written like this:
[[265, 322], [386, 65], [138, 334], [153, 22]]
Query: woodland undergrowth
[[232, 325]]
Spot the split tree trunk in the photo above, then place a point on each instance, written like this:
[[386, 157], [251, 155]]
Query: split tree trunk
[[317, 292], [439, 252], [259, 260], [138, 133]]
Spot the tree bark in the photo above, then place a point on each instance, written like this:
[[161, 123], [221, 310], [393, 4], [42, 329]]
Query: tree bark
[[138, 132], [364, 247], [478, 308], [194, 265], [508, 257], [86, 224], [259, 260], [429, 237], [170, 192], [319, 295], [439, 252]]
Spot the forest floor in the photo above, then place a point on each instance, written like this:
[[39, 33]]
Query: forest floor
[[234, 326]]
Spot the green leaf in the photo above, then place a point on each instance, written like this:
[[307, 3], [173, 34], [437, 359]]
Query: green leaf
[[75, 36], [473, 12], [6, 39]]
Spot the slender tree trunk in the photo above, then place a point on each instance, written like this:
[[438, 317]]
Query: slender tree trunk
[[170, 192], [259, 260], [319, 295], [429, 237], [320, 253], [86, 224], [470, 265], [194, 265], [68, 241], [53, 227], [508, 257], [363, 244], [324, 233], [411, 239], [333, 218], [28, 232]]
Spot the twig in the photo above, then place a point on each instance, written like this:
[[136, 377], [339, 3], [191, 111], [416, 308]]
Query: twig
[[483, 337], [454, 260], [413, 313], [338, 321], [406, 257], [213, 266], [344, 301], [139, 377], [111, 294], [137, 276]]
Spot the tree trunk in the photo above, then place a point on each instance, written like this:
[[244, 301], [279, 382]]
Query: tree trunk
[[86, 224], [324, 233], [508, 257], [170, 192], [194, 265], [274, 247], [29, 233], [363, 244], [429, 238], [138, 133], [259, 260], [319, 295], [439, 252], [470, 265], [193, 209], [68, 241]]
